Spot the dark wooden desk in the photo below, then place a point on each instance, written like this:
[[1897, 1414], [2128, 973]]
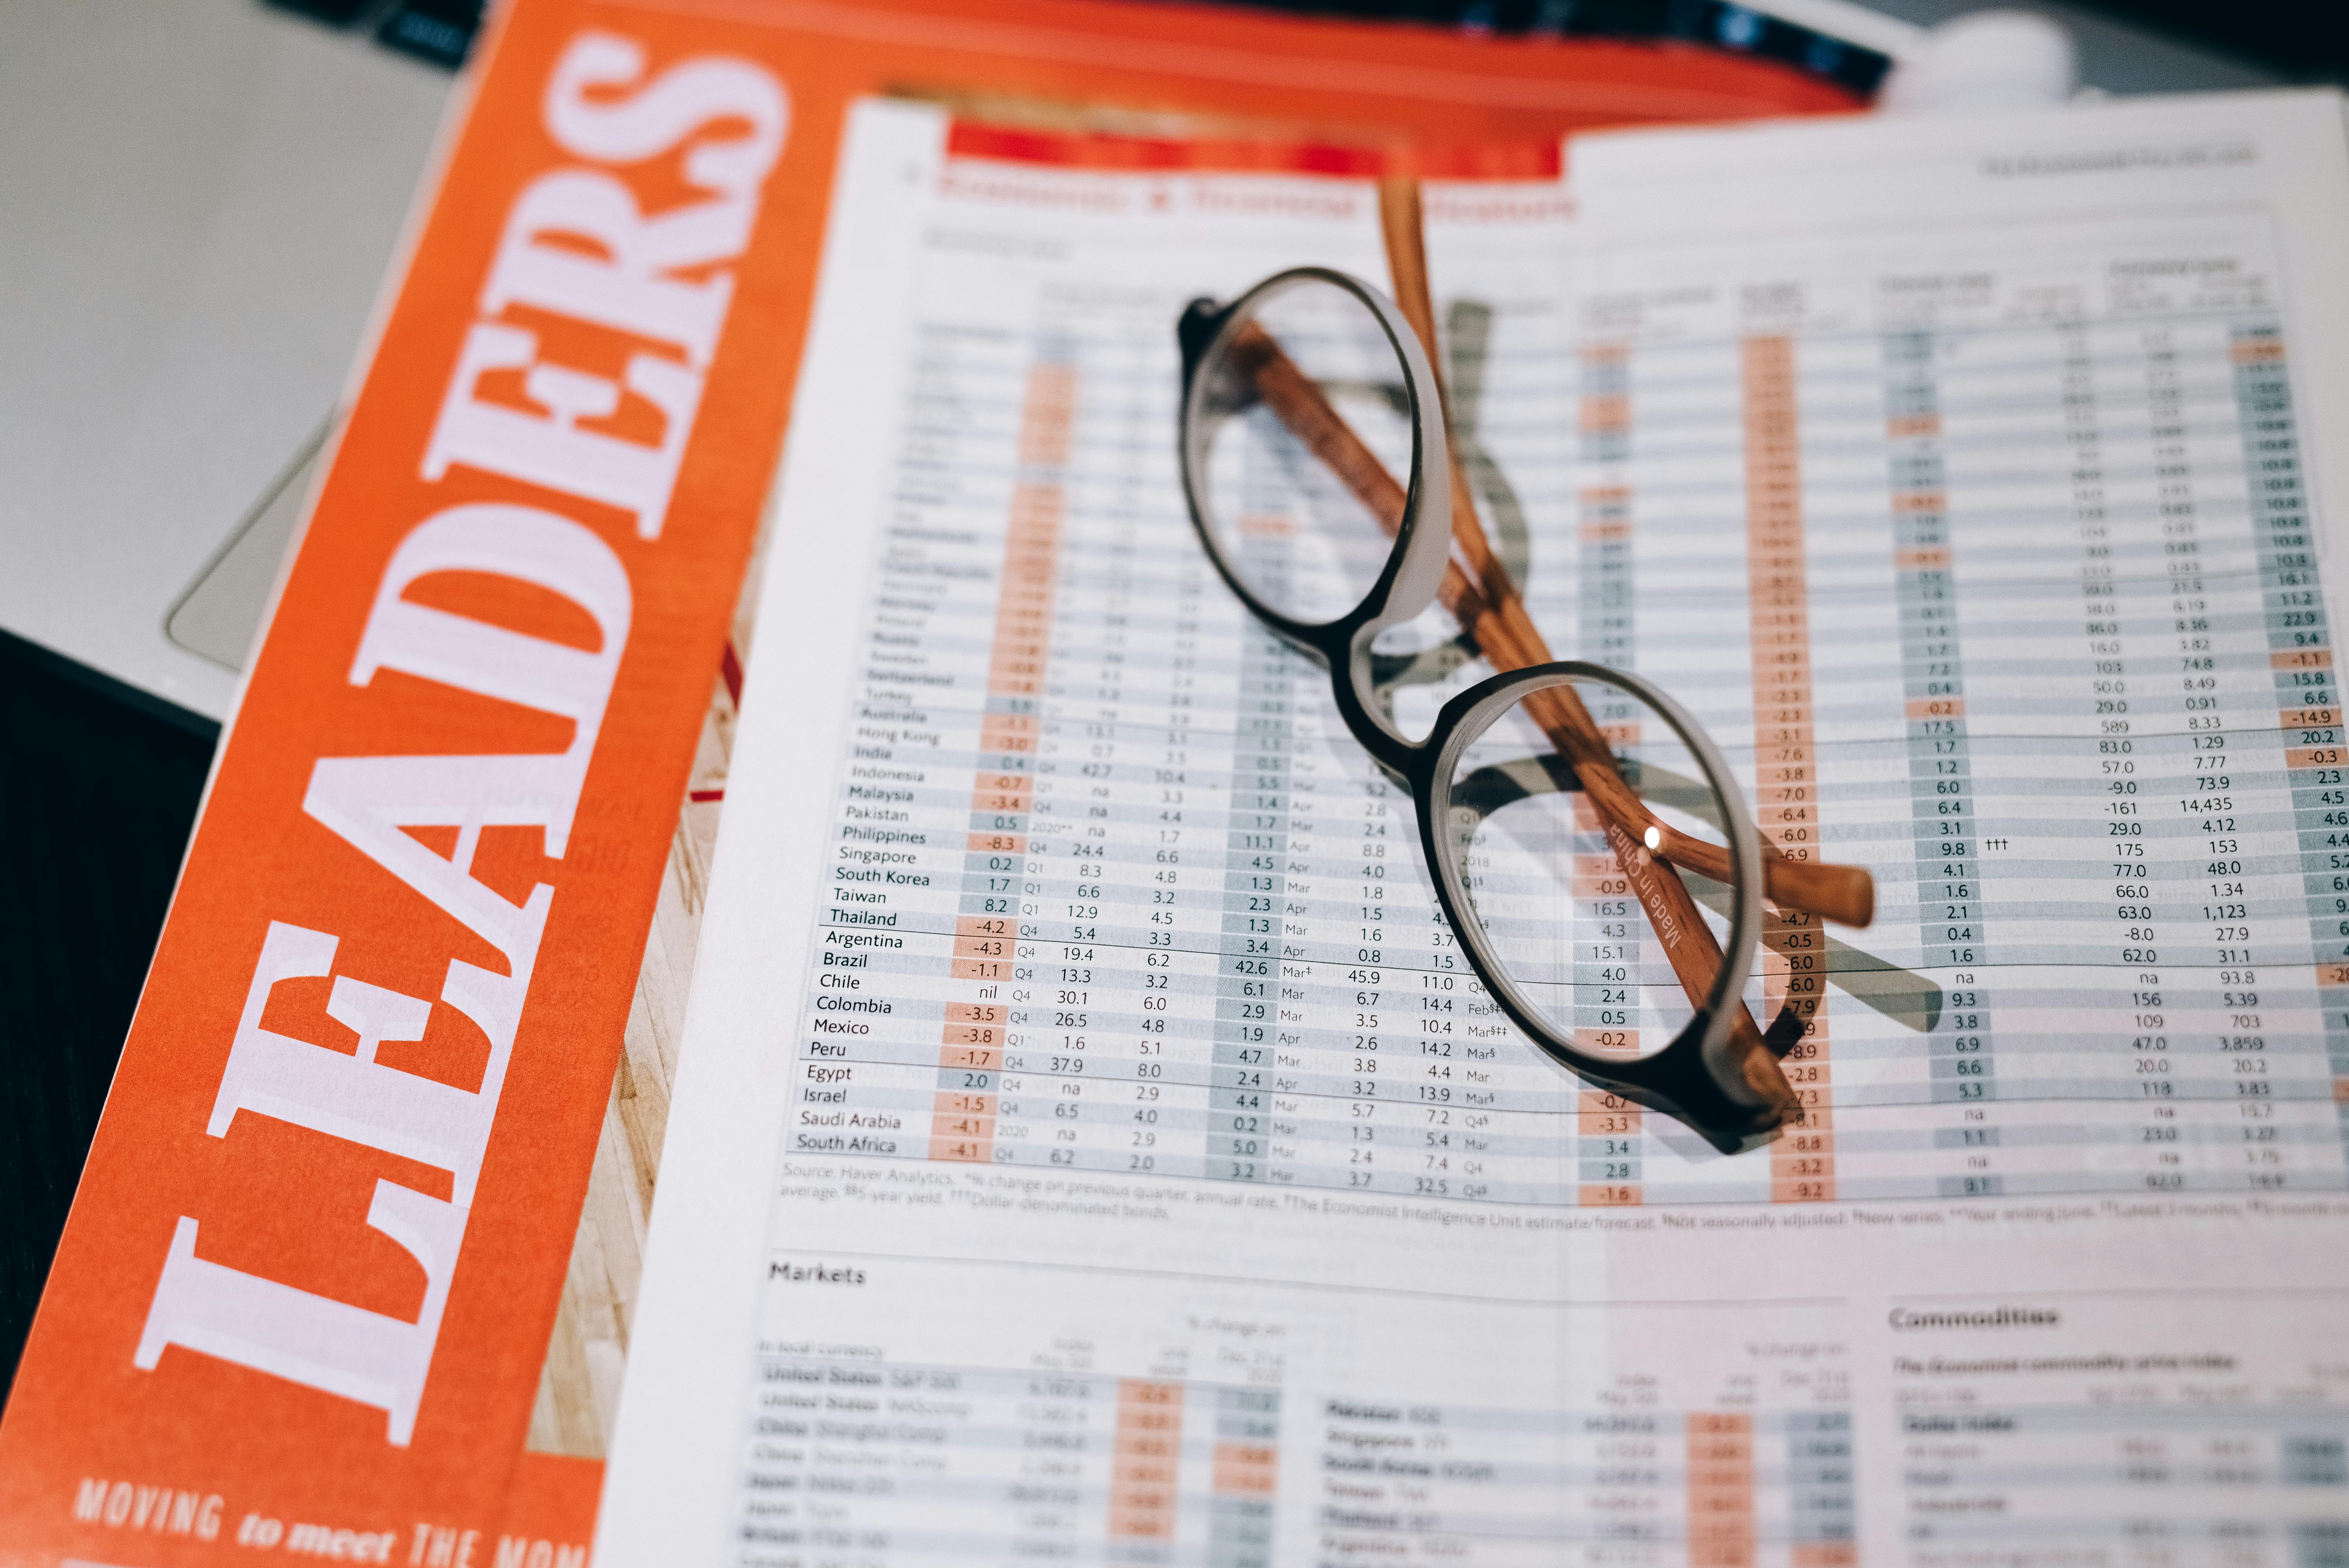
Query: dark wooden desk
[[98, 791]]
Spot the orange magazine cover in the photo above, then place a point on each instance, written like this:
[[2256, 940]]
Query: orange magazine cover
[[306, 1299]]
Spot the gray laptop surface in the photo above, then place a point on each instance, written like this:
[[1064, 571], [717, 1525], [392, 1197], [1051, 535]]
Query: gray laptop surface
[[199, 201]]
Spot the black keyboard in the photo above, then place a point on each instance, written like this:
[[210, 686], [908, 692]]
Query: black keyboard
[[440, 31]]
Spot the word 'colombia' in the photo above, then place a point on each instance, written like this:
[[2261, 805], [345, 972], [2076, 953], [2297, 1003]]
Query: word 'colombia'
[[584, 263]]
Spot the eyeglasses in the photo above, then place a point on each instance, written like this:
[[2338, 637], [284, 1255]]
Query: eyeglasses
[[1580, 826]]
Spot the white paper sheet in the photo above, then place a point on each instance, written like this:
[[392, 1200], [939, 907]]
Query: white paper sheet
[[1121, 1239]]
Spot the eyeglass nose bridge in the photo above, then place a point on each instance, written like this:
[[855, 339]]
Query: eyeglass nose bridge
[[1413, 572]]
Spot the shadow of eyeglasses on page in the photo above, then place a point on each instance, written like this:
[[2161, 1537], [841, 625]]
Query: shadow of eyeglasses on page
[[1900, 993]]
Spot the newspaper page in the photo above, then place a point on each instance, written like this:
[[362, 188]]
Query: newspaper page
[[1087, 1146], [329, 1289]]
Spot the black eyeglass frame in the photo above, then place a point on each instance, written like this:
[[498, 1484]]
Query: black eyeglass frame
[[1696, 1077]]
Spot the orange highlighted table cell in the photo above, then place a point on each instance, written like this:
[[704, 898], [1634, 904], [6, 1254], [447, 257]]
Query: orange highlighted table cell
[[1609, 411], [1015, 677], [1130, 1523], [1606, 1114], [999, 925], [1804, 1140], [963, 1129], [1049, 418], [1246, 1469], [1817, 1116], [1723, 1553], [1801, 1189], [1597, 876], [1148, 1456], [1013, 802]]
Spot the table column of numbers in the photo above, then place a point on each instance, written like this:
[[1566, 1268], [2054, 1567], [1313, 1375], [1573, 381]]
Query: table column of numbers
[[1785, 763], [988, 926], [2316, 767], [1940, 769], [1609, 1126]]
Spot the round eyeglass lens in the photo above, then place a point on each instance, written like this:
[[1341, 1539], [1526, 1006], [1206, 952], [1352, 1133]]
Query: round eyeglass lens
[[1564, 865], [1300, 449]]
